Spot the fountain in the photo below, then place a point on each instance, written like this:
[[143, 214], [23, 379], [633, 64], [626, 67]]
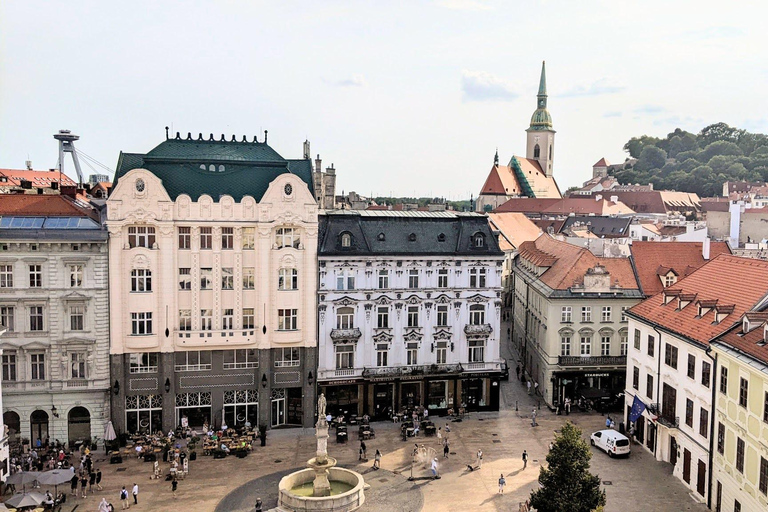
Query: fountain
[[323, 486]]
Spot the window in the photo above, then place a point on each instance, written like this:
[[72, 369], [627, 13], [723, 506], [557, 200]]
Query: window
[[227, 319], [765, 408], [689, 412], [77, 317], [185, 278], [141, 323], [476, 351], [476, 314], [192, 360], [743, 391], [227, 279], [346, 240], [637, 339], [227, 238], [669, 280], [636, 378], [586, 344], [411, 353], [248, 318], [345, 318], [720, 438], [36, 318], [287, 319], [6, 276], [141, 280], [76, 276], [624, 314], [703, 422], [442, 315], [345, 355], [413, 316], [413, 278], [35, 276], [670, 355], [345, 280], [740, 454], [8, 317], [691, 366], [185, 319], [723, 380], [185, 238], [9, 366], [565, 314], [649, 386], [442, 278], [206, 319], [605, 316], [383, 279], [623, 338], [705, 373], [565, 345], [736, 506], [206, 238], [586, 313], [206, 278], [763, 478], [287, 279], [536, 151], [382, 317], [77, 365], [651, 345], [382, 354], [249, 278], [479, 240], [249, 238], [605, 345], [477, 278], [287, 356], [37, 362], [286, 237], [441, 352], [141, 236], [144, 362], [240, 359]]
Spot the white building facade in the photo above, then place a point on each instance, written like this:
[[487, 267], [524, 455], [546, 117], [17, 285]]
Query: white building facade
[[409, 312]]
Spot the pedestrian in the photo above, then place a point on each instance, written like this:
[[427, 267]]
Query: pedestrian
[[98, 479], [83, 483], [525, 459], [363, 451], [434, 468], [440, 435], [415, 449], [73, 482], [174, 486], [551, 445], [479, 459], [608, 421], [103, 505], [124, 499], [536, 388], [518, 371], [135, 493], [533, 417], [447, 427], [91, 481], [567, 406], [529, 386], [377, 459], [445, 449], [502, 483]]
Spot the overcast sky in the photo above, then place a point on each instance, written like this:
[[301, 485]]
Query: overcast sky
[[404, 98]]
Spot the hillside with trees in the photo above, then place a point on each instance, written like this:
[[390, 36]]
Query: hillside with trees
[[698, 163]]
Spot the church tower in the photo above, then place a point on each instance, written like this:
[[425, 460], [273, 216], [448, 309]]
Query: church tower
[[541, 136]]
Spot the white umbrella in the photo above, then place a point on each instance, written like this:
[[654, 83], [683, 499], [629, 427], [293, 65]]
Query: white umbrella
[[28, 499], [109, 433]]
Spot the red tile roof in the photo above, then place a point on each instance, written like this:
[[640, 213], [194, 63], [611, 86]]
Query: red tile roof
[[47, 205], [564, 206], [37, 178], [568, 263], [682, 257], [737, 283], [602, 163]]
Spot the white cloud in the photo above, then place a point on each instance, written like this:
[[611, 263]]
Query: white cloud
[[482, 86], [596, 88], [463, 5], [353, 81]]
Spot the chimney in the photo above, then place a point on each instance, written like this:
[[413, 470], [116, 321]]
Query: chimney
[[307, 153], [705, 248], [598, 197], [614, 199], [318, 164], [28, 163]]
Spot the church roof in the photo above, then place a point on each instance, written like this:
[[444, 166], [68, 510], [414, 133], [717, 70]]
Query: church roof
[[540, 184], [602, 163], [541, 120], [501, 181]]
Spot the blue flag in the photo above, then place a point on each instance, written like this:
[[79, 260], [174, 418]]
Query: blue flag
[[637, 409]]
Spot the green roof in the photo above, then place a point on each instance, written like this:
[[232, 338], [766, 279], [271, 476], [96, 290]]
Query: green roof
[[541, 120], [214, 167]]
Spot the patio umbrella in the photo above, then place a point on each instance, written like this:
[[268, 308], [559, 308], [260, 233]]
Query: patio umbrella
[[55, 477], [27, 499], [109, 435], [22, 478]]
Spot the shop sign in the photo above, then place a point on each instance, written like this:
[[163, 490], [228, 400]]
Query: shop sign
[[596, 375], [339, 382]]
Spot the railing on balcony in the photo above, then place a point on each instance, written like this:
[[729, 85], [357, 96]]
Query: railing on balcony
[[218, 337], [344, 372], [592, 360], [427, 369], [352, 334], [669, 420], [77, 383], [478, 330]]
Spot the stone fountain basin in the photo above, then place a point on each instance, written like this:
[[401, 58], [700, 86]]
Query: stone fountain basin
[[344, 502]]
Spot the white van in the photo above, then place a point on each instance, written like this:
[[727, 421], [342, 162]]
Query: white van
[[611, 441]]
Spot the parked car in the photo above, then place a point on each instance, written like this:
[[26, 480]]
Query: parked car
[[611, 441]]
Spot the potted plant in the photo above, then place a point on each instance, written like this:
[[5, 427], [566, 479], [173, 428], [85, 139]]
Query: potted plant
[[263, 434]]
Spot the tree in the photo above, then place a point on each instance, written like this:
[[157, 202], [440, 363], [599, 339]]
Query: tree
[[636, 144], [651, 158], [566, 483]]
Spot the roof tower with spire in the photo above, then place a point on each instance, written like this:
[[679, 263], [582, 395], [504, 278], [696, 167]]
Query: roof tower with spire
[[541, 118]]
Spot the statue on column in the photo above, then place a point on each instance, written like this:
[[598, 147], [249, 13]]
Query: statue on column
[[321, 406]]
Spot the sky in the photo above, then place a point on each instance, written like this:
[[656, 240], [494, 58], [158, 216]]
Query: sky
[[404, 98]]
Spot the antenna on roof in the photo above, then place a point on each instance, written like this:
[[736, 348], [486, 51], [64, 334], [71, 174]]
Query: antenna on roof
[[265, 136], [166, 133]]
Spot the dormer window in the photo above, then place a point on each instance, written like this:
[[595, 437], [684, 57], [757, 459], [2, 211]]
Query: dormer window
[[669, 295], [478, 240], [670, 279], [441, 237], [346, 240], [722, 312], [684, 299], [412, 237], [381, 237]]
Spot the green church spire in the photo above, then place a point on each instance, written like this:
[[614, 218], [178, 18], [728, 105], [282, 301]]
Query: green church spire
[[541, 119], [543, 82]]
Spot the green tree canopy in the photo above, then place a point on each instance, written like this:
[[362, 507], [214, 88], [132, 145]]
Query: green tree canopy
[[566, 483]]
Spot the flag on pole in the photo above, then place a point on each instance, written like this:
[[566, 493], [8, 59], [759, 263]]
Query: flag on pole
[[637, 409]]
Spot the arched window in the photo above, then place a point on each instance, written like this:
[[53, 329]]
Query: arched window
[[345, 318], [536, 151], [346, 240], [478, 240]]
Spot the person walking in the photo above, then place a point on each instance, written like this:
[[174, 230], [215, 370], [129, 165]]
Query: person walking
[[479, 459], [434, 468], [528, 383], [377, 459], [91, 481], [533, 418], [98, 479], [174, 486], [135, 493], [124, 499], [103, 505], [536, 388], [445, 449], [440, 435], [525, 459], [73, 483], [518, 371], [502, 483], [83, 483]]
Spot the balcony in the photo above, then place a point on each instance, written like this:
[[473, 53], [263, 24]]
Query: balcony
[[485, 366], [339, 373], [592, 360], [426, 369], [669, 421], [345, 335], [478, 331], [208, 338]]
